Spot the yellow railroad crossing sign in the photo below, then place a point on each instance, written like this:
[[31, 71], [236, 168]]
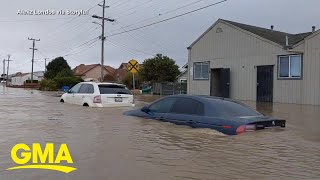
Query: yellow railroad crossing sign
[[133, 66]]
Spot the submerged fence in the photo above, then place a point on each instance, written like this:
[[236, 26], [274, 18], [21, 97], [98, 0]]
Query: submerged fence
[[169, 88]]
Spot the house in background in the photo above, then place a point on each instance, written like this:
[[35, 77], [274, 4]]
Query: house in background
[[123, 66], [121, 72], [19, 79], [39, 74], [246, 62], [183, 77], [93, 72]]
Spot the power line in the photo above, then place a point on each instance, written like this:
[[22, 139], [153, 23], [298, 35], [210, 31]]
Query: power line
[[33, 20], [152, 42], [82, 50], [174, 17], [68, 22], [70, 41], [134, 8], [85, 44], [161, 14], [118, 44]]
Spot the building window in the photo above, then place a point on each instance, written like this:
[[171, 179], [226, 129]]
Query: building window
[[290, 67], [201, 71]]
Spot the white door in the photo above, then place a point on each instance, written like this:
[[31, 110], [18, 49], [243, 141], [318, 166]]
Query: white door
[[70, 98], [80, 96]]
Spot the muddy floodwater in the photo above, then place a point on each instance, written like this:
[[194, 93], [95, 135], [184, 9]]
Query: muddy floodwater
[[104, 144]]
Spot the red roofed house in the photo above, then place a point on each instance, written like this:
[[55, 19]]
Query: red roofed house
[[93, 72]]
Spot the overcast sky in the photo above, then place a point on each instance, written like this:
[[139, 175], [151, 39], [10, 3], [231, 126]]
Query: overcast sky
[[73, 36]]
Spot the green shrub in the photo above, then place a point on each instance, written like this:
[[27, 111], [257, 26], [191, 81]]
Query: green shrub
[[67, 81], [48, 85]]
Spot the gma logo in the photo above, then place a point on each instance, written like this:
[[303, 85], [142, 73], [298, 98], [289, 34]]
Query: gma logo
[[41, 159]]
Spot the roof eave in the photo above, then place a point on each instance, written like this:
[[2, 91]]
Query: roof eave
[[203, 34]]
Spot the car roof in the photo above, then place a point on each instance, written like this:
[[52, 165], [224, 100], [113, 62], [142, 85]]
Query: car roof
[[208, 99], [102, 83], [203, 97]]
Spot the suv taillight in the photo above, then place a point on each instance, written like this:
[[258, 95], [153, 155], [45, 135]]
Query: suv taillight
[[97, 99], [245, 128]]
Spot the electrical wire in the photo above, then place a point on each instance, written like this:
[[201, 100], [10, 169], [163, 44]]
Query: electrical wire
[[164, 20], [122, 45], [161, 14]]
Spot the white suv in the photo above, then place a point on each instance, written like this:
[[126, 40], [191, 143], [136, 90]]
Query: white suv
[[94, 94]]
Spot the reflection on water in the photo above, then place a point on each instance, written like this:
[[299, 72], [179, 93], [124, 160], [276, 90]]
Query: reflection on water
[[106, 145], [264, 107]]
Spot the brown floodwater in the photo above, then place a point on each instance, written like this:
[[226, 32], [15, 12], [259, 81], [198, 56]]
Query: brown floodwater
[[104, 144]]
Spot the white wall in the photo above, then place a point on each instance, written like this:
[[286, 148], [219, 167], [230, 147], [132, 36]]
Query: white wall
[[242, 51], [19, 80]]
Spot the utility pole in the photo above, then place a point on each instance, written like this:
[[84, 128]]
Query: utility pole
[[33, 48], [45, 65], [4, 69], [7, 69], [103, 18]]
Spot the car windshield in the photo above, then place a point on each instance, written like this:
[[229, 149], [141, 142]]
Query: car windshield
[[224, 108], [113, 89]]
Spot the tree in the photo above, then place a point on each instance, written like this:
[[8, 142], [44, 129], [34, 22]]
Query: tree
[[128, 80], [159, 69], [58, 67], [109, 78]]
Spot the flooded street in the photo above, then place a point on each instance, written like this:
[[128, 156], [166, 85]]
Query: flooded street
[[104, 144]]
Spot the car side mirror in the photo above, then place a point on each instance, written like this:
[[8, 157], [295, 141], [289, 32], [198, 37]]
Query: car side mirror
[[70, 91], [145, 109]]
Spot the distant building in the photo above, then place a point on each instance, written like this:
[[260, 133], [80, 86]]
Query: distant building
[[20, 78], [93, 72], [183, 77], [123, 66], [121, 72], [39, 74], [246, 62]]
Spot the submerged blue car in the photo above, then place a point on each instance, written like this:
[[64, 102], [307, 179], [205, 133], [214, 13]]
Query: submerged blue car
[[224, 115]]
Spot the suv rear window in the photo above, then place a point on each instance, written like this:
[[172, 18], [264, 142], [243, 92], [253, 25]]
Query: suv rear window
[[113, 89]]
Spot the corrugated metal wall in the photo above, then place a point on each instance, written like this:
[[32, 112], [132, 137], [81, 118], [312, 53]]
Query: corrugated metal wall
[[242, 51], [310, 91]]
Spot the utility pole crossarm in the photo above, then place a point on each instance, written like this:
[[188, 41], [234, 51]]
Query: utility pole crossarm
[[106, 19]]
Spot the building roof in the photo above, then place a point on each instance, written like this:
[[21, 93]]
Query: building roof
[[182, 73], [120, 73], [22, 74], [110, 69], [83, 69], [185, 66], [123, 66], [269, 34], [272, 35]]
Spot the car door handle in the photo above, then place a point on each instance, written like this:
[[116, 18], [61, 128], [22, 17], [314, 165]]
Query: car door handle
[[82, 96]]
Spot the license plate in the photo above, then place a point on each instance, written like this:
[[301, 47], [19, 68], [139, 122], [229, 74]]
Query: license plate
[[118, 99]]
